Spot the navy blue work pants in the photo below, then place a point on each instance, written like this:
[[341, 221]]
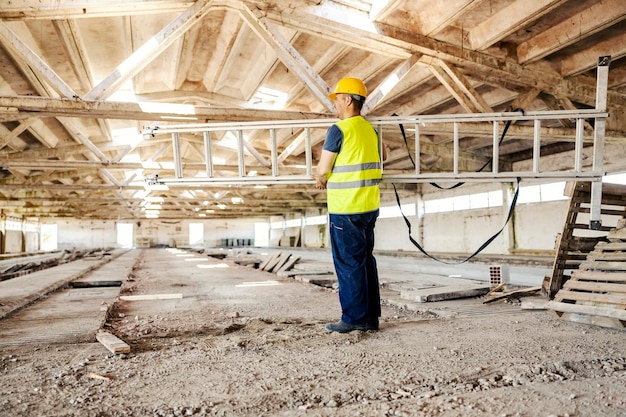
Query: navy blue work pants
[[352, 242]]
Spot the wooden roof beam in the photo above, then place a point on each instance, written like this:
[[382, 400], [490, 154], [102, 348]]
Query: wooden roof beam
[[432, 19], [382, 8], [145, 54], [339, 24], [457, 85], [76, 9], [11, 138], [22, 107], [75, 51], [393, 79], [208, 98], [289, 56], [392, 41], [71, 9], [508, 20], [466, 87], [453, 88], [77, 55], [596, 18], [43, 134], [24, 54], [436, 19], [587, 59]]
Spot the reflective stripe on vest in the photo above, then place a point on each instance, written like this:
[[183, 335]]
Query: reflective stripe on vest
[[353, 184]]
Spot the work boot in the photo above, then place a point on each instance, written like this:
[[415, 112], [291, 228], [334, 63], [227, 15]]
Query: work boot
[[372, 325], [343, 327]]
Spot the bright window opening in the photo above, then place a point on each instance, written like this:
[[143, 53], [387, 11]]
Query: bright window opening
[[196, 233], [48, 237], [125, 236]]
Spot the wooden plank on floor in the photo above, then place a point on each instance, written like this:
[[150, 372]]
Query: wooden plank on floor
[[615, 246], [150, 297], [606, 256], [594, 286], [534, 304], [281, 261], [604, 266], [589, 310], [517, 293], [582, 275], [593, 320], [112, 343], [295, 272], [267, 260], [272, 262], [618, 300], [289, 264]]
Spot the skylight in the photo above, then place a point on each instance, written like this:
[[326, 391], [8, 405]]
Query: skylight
[[267, 98]]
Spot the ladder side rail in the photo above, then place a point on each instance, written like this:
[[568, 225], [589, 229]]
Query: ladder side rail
[[392, 120], [178, 166], [578, 147], [495, 158], [536, 145], [602, 74], [308, 156], [491, 117], [417, 149], [240, 155], [274, 152], [489, 177], [455, 162], [208, 156], [396, 178]]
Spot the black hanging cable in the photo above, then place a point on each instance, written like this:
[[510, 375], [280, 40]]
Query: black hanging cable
[[483, 246], [488, 241]]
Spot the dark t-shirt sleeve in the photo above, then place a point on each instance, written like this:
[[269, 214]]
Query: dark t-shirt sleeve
[[334, 139]]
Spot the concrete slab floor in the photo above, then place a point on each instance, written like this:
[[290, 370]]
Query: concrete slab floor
[[250, 343]]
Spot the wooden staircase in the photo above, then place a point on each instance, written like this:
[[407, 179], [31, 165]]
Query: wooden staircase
[[595, 290], [577, 240]]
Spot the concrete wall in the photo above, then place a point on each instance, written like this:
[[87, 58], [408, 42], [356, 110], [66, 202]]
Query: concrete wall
[[14, 241], [392, 234], [217, 230], [92, 234], [534, 228], [31, 242], [464, 231], [85, 234], [537, 225]]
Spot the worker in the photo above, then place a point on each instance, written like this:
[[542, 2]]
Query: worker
[[350, 169]]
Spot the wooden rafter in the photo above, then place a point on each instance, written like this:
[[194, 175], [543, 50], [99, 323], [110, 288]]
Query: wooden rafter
[[144, 55], [392, 80], [289, 56], [23, 53], [50, 107], [508, 20], [574, 29]]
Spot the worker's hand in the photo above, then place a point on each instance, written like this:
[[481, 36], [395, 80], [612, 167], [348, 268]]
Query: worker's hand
[[320, 181]]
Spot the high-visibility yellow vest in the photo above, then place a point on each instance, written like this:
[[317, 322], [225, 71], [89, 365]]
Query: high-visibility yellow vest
[[353, 184]]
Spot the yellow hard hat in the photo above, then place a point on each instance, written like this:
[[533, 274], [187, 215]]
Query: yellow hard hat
[[349, 86]]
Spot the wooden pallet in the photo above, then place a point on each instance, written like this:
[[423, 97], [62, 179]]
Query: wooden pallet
[[279, 262], [577, 240], [596, 292]]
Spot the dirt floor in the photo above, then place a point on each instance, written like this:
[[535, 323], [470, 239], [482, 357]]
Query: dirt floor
[[242, 342]]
